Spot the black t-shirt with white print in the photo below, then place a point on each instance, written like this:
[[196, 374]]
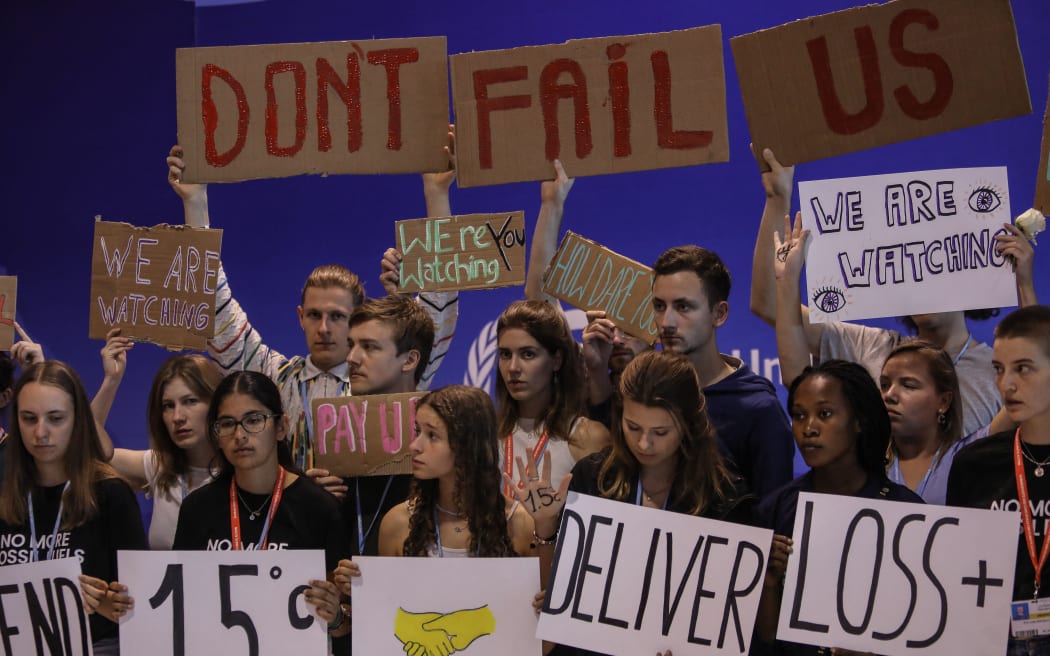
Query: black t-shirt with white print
[[307, 518], [117, 526], [982, 476]]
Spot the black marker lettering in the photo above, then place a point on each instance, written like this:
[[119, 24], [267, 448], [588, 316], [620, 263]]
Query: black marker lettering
[[670, 608], [647, 578], [575, 518], [914, 593], [7, 630], [926, 550], [803, 562], [586, 567], [735, 592], [701, 592], [603, 617], [857, 629]]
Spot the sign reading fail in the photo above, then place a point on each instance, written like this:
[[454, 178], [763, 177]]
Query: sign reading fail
[[365, 435], [603, 105], [899, 578], [906, 243], [221, 602], [474, 251], [879, 74], [629, 580], [270, 111], [41, 609], [589, 276], [157, 284], [8, 296]]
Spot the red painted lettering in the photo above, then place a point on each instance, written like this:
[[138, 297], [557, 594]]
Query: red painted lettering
[[392, 60], [349, 93], [666, 135], [486, 105], [551, 92], [6, 322], [620, 94], [210, 115], [836, 117], [298, 72], [942, 74]]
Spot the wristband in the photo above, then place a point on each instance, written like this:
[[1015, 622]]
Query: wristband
[[537, 540], [340, 617]]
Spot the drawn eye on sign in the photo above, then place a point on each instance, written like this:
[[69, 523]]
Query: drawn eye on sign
[[985, 200], [829, 299]]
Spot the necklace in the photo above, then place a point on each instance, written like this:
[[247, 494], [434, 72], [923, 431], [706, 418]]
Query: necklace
[[649, 495], [450, 513], [1039, 471], [252, 514]]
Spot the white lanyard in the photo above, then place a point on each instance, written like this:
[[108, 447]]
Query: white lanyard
[[54, 531]]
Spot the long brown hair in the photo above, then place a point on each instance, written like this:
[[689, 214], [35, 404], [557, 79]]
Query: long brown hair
[[201, 376], [471, 422], [668, 381], [83, 461], [569, 385]]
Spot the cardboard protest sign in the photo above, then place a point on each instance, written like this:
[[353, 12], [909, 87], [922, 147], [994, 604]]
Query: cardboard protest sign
[[470, 606], [221, 602], [695, 590], [8, 297], [899, 578], [604, 105], [270, 111], [1042, 182], [589, 276], [365, 435], [879, 74], [41, 607], [157, 284], [906, 243], [473, 251]]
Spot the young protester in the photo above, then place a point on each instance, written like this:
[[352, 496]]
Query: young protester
[[541, 390], [664, 455], [868, 345], [329, 297], [842, 429], [261, 500], [691, 301], [58, 491], [180, 457], [390, 342], [1008, 469], [918, 382]]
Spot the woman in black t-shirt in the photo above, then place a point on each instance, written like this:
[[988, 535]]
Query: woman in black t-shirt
[[260, 500], [59, 499], [842, 429]]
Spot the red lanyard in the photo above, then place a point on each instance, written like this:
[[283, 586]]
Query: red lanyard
[[1026, 515], [508, 458], [235, 513]]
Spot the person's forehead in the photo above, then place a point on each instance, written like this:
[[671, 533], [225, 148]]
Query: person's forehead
[[372, 329], [679, 285], [1018, 348], [327, 299]]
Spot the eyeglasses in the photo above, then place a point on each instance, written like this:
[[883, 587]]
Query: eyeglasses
[[253, 422]]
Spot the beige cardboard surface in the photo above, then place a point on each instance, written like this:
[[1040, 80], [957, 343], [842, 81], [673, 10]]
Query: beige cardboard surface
[[157, 284], [8, 297], [473, 251], [603, 105], [589, 276], [1042, 182], [879, 74], [365, 435], [270, 111]]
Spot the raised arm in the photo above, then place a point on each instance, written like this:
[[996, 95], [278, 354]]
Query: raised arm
[[789, 256], [597, 349], [777, 183], [548, 228], [128, 462], [194, 196], [1014, 245]]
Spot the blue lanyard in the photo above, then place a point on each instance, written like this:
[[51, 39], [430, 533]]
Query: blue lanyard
[[362, 534], [897, 477], [966, 347], [54, 531], [638, 496]]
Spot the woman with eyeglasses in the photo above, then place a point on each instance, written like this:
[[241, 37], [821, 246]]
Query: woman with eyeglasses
[[260, 500]]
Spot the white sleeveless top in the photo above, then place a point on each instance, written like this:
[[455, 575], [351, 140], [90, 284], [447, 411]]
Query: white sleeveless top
[[526, 436], [166, 509]]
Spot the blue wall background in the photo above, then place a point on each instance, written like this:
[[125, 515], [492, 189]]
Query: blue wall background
[[89, 114]]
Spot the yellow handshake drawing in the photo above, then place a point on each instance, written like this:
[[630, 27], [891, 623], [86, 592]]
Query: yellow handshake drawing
[[442, 634]]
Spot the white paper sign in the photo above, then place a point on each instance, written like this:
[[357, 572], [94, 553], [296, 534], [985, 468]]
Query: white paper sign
[[473, 606], [221, 603], [41, 611], [899, 578], [629, 580], [906, 243]]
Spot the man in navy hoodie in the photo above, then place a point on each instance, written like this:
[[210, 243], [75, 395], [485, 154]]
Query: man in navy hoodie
[[691, 300]]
